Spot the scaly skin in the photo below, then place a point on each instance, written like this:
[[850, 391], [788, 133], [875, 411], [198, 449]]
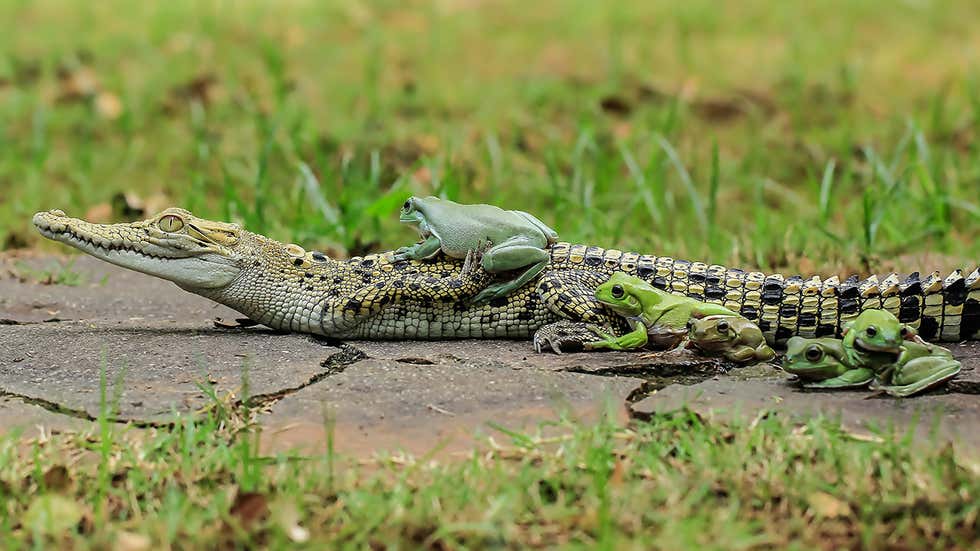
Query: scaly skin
[[655, 316], [735, 338], [371, 297]]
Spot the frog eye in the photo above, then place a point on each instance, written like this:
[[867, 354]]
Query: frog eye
[[904, 331], [407, 206], [871, 330], [617, 291], [170, 223], [814, 353], [722, 326]]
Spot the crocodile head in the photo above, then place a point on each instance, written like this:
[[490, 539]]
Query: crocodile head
[[174, 245]]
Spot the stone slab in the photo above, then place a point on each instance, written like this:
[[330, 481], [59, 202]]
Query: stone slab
[[953, 416], [158, 365], [435, 402]]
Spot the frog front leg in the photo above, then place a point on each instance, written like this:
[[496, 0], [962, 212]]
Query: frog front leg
[[637, 338], [419, 251], [920, 374], [512, 254], [849, 379]]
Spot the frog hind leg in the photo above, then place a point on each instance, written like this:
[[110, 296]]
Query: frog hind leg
[[512, 254], [742, 355], [925, 375], [849, 379]]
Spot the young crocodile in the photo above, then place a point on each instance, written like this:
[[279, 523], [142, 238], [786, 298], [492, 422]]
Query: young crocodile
[[373, 297]]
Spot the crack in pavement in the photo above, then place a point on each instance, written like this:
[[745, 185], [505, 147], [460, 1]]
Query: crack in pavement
[[334, 364], [59, 409]]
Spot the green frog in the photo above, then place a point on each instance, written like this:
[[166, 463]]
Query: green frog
[[920, 367], [823, 363], [509, 239], [733, 337], [656, 318]]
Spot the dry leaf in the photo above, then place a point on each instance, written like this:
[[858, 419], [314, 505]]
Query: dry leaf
[[287, 517], [249, 508], [130, 541], [57, 479], [826, 505], [108, 105]]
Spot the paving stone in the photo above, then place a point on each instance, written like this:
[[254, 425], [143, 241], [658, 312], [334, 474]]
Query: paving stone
[[158, 365]]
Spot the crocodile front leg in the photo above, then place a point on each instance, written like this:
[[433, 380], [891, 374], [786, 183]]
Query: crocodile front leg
[[570, 294]]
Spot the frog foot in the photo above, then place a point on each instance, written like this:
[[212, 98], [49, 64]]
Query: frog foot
[[937, 374], [854, 378]]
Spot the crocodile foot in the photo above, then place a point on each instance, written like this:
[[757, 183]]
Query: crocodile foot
[[567, 336]]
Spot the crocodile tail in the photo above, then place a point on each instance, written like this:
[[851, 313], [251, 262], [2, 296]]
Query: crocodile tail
[[939, 308]]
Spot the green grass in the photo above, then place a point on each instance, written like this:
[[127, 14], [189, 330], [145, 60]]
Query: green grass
[[840, 135], [676, 482], [818, 137]]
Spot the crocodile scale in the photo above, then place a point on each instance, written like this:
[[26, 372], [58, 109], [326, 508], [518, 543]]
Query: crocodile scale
[[372, 297]]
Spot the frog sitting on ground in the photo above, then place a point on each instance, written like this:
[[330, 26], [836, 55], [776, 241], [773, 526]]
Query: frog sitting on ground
[[510, 239], [823, 363], [919, 367], [655, 317], [733, 337]]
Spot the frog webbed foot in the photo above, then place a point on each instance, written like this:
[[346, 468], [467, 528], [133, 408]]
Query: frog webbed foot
[[918, 375], [567, 336]]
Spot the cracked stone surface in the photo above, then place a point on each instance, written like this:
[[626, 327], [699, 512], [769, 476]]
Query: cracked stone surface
[[953, 415], [157, 365], [417, 396]]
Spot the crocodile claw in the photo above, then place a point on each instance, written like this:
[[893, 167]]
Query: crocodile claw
[[565, 336]]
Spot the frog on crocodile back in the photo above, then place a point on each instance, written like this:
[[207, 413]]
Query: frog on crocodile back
[[510, 239]]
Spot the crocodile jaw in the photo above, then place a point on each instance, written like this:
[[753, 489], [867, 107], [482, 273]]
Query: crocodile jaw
[[133, 246]]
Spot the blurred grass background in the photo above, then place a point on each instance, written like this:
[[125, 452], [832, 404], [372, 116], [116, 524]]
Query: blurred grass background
[[833, 136]]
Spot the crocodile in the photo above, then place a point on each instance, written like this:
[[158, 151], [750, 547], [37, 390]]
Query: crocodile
[[285, 287]]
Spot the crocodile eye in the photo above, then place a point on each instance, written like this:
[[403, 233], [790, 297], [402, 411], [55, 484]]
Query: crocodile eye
[[690, 324], [617, 291], [871, 331], [170, 223], [722, 326], [814, 353]]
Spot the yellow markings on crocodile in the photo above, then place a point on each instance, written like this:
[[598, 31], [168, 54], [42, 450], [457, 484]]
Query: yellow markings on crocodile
[[753, 280], [830, 287], [811, 287], [576, 254]]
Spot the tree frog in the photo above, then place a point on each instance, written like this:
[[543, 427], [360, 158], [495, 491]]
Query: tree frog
[[511, 239], [655, 316], [734, 337], [919, 367], [823, 363]]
